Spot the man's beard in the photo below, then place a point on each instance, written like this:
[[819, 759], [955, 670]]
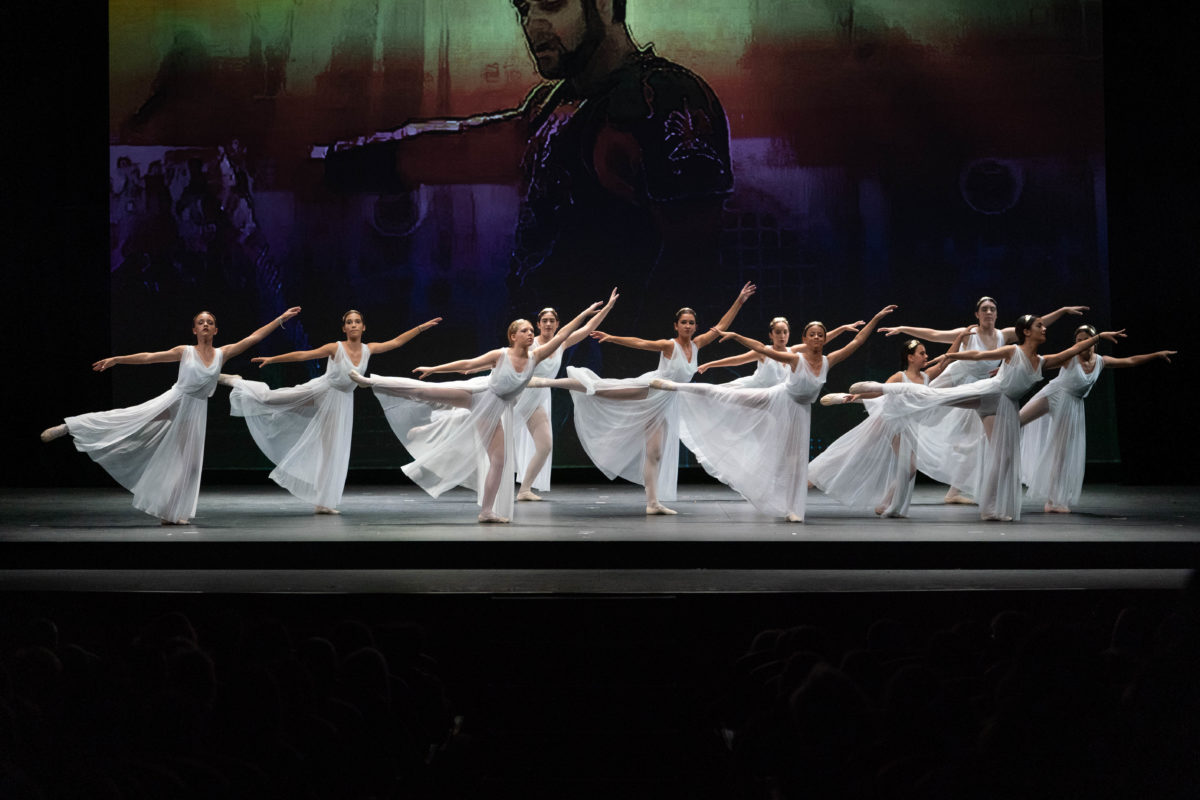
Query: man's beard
[[572, 62]]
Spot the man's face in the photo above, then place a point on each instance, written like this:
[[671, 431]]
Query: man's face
[[561, 34]]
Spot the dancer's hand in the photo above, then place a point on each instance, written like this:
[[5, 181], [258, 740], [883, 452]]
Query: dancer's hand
[[291, 312], [1075, 311], [746, 292], [723, 334], [601, 336], [1165, 355], [423, 372], [424, 326], [883, 312], [104, 363], [1113, 336], [262, 361], [704, 367], [890, 331], [593, 308]]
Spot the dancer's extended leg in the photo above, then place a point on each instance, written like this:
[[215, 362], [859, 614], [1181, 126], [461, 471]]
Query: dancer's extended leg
[[1034, 409], [655, 442], [543, 442], [58, 431]]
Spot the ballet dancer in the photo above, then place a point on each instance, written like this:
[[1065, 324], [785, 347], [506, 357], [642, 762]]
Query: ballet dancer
[[305, 430], [951, 437], [470, 445], [756, 441], [156, 449], [1020, 368], [874, 464], [1053, 427], [626, 427], [768, 371], [535, 442]]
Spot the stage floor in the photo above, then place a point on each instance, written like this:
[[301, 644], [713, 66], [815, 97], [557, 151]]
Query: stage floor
[[588, 540]]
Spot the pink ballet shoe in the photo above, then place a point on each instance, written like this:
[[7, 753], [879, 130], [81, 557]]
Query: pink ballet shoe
[[360, 379], [227, 380], [862, 387], [50, 434], [665, 385], [834, 398]]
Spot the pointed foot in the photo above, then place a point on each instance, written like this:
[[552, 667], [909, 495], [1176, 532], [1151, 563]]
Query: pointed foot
[[792, 516], [360, 379], [660, 383], [50, 434], [228, 380], [834, 399]]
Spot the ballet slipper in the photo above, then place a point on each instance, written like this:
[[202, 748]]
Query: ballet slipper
[[660, 383], [1053, 509], [834, 398], [172, 522], [361, 380], [657, 508], [863, 387], [528, 495], [50, 434], [228, 380], [792, 516], [955, 497], [879, 509], [325, 510], [490, 517]]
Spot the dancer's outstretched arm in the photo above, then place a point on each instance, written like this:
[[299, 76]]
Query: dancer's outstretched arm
[[841, 355], [925, 334], [784, 356], [830, 335], [1058, 359], [157, 357], [1010, 333], [937, 365], [488, 360], [237, 348], [1133, 361], [731, 361], [709, 336], [324, 351], [403, 339], [578, 336]]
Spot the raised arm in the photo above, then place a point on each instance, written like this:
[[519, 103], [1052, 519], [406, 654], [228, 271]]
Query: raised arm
[[731, 361], [1058, 359], [488, 360], [784, 356], [937, 365], [545, 351], [1133, 361], [709, 336], [325, 351], [924, 334], [578, 336], [391, 344], [159, 357], [859, 338], [664, 346], [1010, 333], [237, 348]]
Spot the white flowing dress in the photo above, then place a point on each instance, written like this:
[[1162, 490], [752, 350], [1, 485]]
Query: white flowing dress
[[614, 431], [862, 470], [952, 439], [999, 490], [1054, 446], [156, 449], [529, 402], [756, 440], [305, 430], [449, 445], [768, 373]]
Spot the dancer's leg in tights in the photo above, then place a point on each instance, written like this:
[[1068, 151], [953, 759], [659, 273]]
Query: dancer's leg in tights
[[543, 441]]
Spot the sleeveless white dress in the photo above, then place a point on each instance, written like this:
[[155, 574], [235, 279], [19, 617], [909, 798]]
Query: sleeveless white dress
[[449, 444], [999, 489], [156, 449], [614, 431], [952, 439], [530, 401], [305, 430], [862, 470], [769, 372], [756, 440], [1054, 446]]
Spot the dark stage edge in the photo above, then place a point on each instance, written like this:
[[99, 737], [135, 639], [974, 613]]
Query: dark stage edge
[[588, 540]]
